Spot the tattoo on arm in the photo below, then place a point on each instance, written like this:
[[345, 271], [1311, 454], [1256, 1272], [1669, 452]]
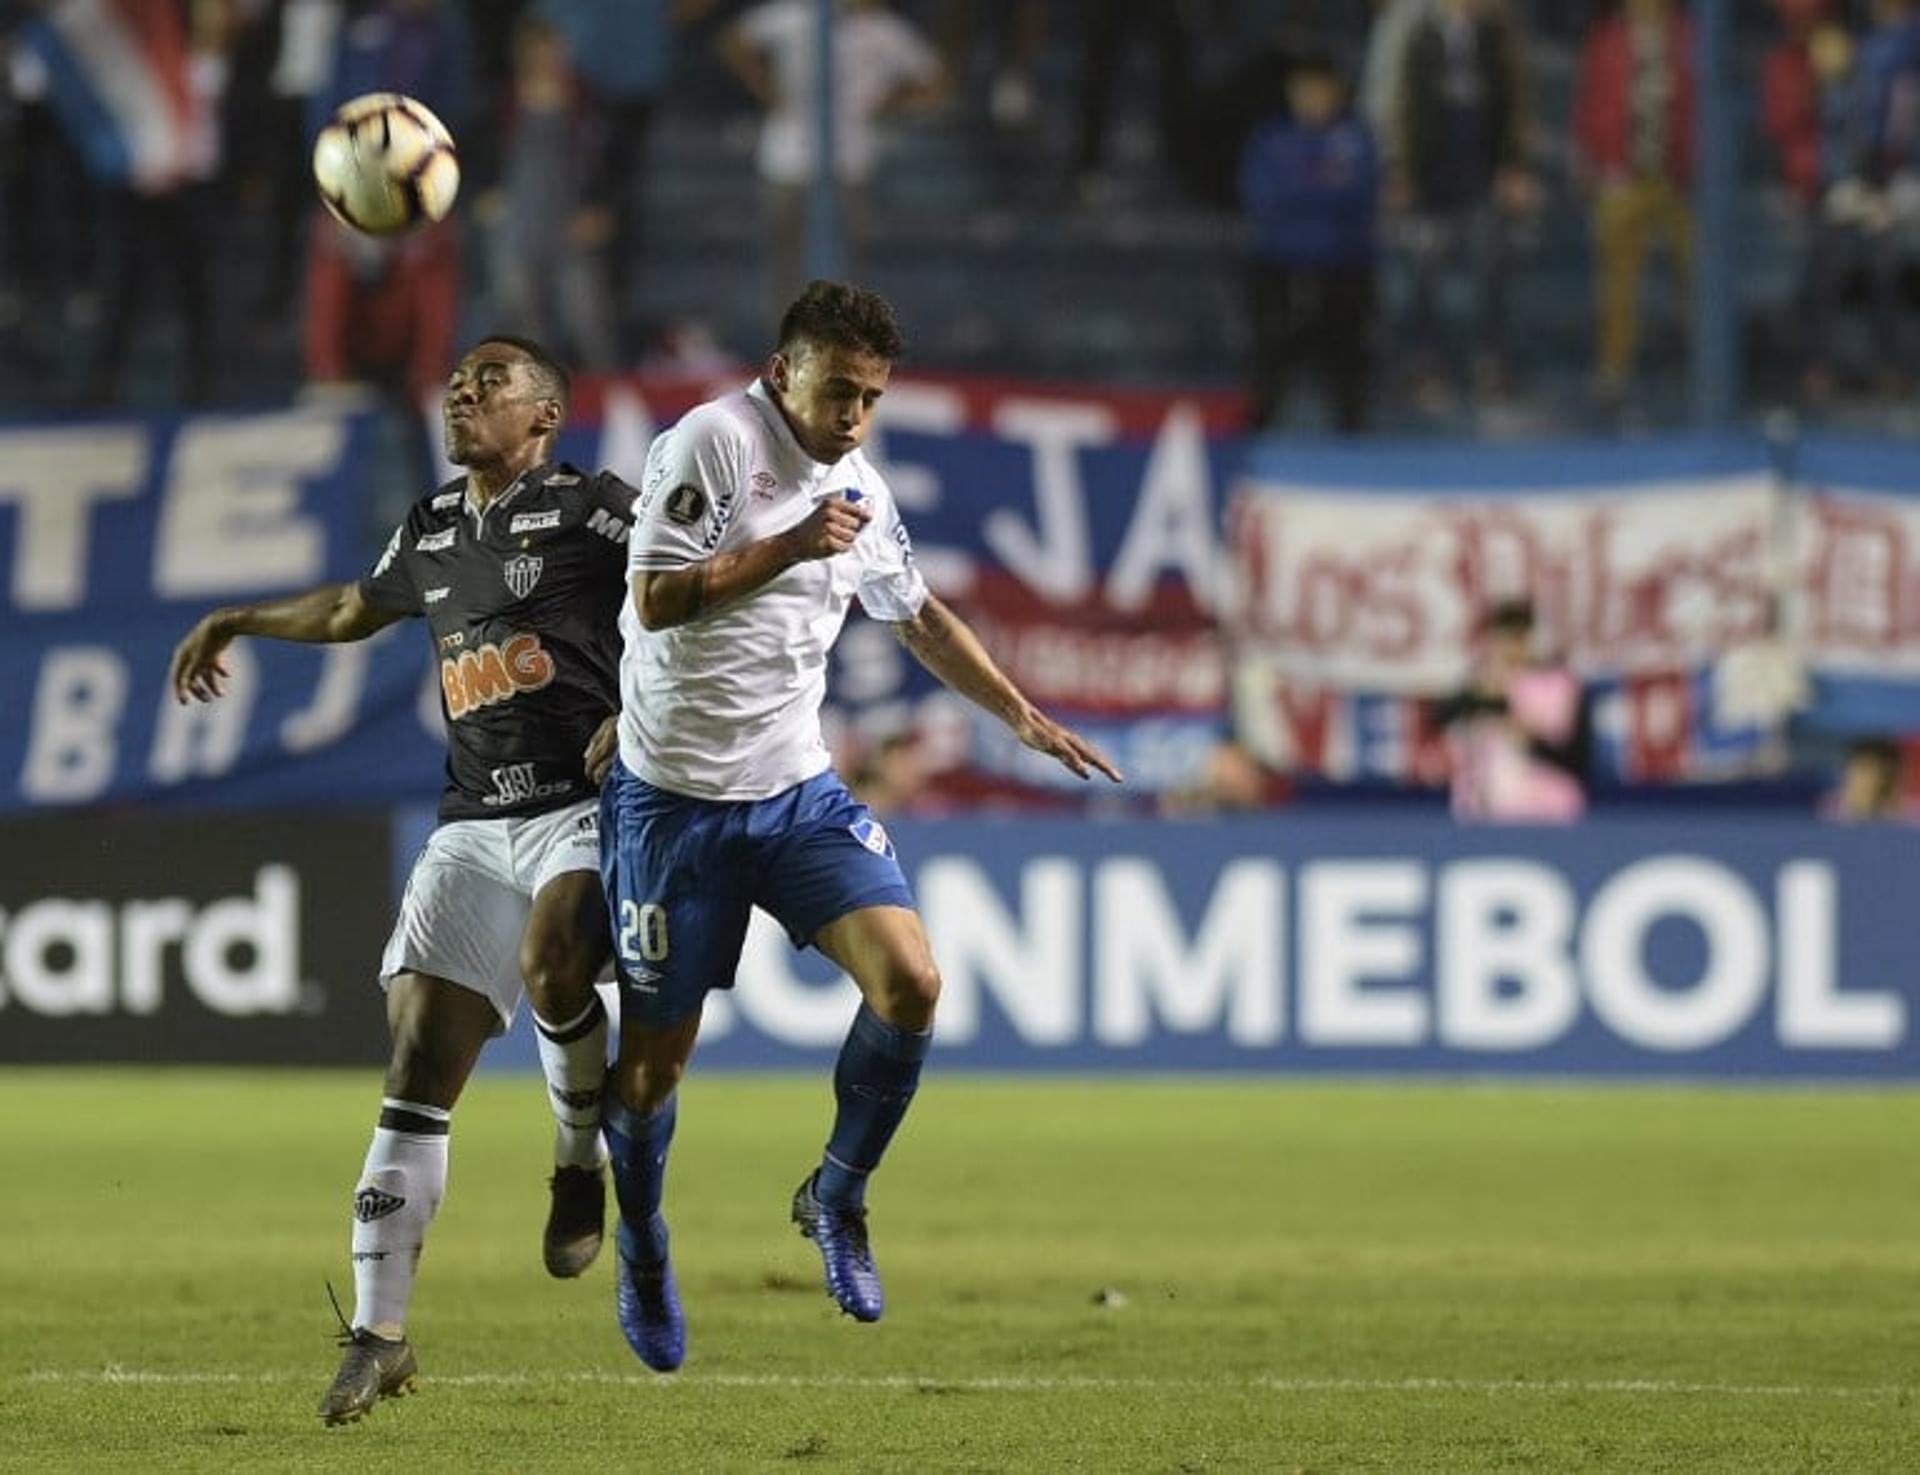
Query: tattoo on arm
[[929, 630]]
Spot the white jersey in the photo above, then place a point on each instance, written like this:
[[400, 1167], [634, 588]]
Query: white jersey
[[727, 706]]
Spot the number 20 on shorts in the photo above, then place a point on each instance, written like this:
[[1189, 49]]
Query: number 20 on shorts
[[643, 932]]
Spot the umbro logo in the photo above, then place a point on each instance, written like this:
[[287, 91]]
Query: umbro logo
[[370, 1204]]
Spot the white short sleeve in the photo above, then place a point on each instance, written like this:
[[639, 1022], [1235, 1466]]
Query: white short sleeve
[[772, 24], [891, 588], [903, 52], [692, 488]]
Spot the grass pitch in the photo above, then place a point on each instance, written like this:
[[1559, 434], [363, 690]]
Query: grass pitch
[[1299, 1277]]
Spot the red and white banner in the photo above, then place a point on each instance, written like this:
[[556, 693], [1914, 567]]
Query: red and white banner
[[1379, 591], [1855, 596]]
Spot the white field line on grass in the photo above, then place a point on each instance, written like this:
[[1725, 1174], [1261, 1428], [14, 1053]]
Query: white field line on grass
[[1015, 1383]]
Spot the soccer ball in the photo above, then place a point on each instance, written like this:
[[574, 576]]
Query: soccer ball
[[385, 164]]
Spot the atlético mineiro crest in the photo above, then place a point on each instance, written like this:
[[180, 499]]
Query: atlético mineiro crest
[[522, 572]]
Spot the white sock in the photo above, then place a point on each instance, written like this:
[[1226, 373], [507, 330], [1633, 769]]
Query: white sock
[[573, 1056], [399, 1192]]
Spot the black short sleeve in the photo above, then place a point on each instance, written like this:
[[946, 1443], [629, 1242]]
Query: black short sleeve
[[389, 583]]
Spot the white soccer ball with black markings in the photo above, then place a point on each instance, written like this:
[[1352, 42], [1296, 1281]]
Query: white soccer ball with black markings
[[385, 164]]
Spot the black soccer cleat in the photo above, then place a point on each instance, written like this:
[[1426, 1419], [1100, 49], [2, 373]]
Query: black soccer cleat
[[372, 1369], [841, 1234], [576, 1221]]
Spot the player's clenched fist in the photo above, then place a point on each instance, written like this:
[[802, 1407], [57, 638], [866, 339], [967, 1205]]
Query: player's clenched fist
[[197, 669], [829, 529]]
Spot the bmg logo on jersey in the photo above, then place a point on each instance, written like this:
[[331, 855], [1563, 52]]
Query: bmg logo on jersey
[[494, 674]]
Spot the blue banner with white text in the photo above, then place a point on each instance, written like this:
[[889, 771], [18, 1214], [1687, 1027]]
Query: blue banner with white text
[[1122, 557], [1724, 949]]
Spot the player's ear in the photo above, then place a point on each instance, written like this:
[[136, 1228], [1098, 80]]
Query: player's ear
[[780, 372], [548, 418]]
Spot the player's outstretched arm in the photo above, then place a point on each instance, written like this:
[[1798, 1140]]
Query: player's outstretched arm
[[327, 615], [942, 642], [663, 599]]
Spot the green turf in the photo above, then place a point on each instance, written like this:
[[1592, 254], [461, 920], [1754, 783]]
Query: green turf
[[1322, 1278]]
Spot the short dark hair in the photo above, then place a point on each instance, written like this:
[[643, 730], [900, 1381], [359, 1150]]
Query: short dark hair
[[1312, 59], [1882, 750], [839, 315], [1509, 617], [549, 374]]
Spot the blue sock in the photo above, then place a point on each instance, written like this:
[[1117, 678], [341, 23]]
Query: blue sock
[[637, 1152], [874, 1081]]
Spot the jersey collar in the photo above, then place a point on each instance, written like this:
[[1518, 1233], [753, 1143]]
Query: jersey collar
[[531, 476]]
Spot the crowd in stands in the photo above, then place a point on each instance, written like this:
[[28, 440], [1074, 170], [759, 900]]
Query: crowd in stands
[[1383, 176], [1394, 170]]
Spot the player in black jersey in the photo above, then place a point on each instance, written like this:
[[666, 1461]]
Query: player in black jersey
[[519, 570]]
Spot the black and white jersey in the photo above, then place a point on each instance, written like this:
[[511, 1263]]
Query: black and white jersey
[[523, 598]]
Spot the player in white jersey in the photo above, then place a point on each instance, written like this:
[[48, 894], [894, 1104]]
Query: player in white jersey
[[759, 521]]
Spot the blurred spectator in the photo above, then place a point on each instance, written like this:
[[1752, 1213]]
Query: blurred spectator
[[622, 54], [1633, 118], [384, 312], [1760, 684], [381, 312], [420, 47], [1803, 101], [47, 202], [137, 87], [1870, 198], [1457, 177], [1019, 28], [1106, 28], [283, 55], [1232, 781], [1394, 22], [881, 65], [548, 236], [1871, 784], [1520, 733], [1308, 184]]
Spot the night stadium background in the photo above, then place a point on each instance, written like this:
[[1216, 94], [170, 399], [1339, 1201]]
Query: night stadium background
[[1281, 1116]]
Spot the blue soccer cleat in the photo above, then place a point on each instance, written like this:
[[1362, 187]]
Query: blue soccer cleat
[[841, 1234], [647, 1303]]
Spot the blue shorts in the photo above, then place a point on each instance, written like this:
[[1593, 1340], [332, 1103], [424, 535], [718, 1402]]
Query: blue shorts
[[683, 875]]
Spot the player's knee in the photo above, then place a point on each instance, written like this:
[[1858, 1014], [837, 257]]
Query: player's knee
[[645, 1085], [559, 977], [422, 1067], [911, 990]]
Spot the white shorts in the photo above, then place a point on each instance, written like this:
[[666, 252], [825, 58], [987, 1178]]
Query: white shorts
[[468, 897]]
